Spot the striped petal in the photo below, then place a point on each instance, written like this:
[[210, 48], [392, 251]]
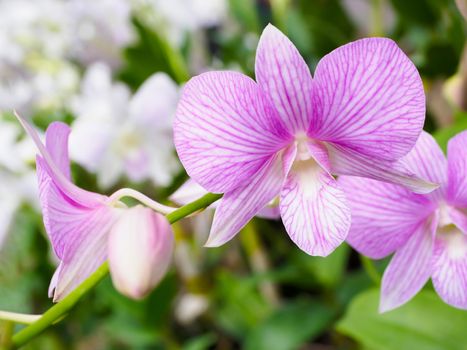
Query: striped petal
[[77, 221], [53, 157], [368, 96], [345, 161], [281, 71], [409, 269], [459, 218], [86, 247], [427, 161], [240, 205], [56, 139], [314, 209], [226, 129], [450, 268], [457, 170], [384, 216]]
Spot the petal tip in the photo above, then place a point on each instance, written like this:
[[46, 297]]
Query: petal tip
[[424, 187], [212, 243], [386, 305]]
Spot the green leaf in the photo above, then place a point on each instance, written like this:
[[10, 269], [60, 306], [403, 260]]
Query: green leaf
[[245, 12], [240, 306], [327, 271], [289, 327], [424, 323], [443, 135], [202, 342]]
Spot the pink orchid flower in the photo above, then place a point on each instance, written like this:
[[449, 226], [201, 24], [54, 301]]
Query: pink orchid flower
[[287, 134], [79, 223], [426, 233]]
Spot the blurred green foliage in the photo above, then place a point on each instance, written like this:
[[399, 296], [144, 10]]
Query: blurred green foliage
[[424, 323]]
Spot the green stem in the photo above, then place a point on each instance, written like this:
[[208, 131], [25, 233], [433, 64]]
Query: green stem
[[259, 261], [175, 61], [7, 333], [370, 269], [58, 311], [377, 18]]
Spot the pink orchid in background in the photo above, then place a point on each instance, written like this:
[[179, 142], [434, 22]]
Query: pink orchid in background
[[287, 134], [79, 222], [427, 233], [190, 191]]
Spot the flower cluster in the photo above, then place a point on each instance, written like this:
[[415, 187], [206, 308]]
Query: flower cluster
[[339, 155]]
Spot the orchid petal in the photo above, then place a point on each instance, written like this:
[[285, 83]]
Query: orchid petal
[[459, 218], [56, 138], [269, 212], [314, 209], [225, 130], [188, 192], [368, 96], [242, 204], [79, 195], [154, 103], [285, 76], [90, 140], [86, 246], [457, 170], [409, 269], [450, 268], [76, 221], [384, 216], [427, 161], [345, 161]]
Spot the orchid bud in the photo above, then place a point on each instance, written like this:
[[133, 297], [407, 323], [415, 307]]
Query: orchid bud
[[139, 251]]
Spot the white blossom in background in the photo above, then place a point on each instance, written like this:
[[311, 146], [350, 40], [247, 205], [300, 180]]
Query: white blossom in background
[[18, 179], [177, 17], [116, 133], [41, 41], [34, 38], [101, 29]]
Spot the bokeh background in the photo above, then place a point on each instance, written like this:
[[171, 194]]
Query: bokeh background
[[113, 69]]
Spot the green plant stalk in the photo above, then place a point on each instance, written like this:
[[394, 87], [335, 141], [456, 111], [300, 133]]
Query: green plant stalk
[[279, 10], [59, 310], [175, 61], [370, 269], [5, 338]]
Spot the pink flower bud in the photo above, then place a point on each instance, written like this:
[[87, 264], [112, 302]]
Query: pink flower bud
[[140, 250]]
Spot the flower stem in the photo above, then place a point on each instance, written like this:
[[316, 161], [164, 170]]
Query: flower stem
[[58, 311], [6, 334], [128, 192], [18, 318], [370, 269], [259, 262], [175, 61]]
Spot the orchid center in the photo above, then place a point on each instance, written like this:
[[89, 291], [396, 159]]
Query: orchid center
[[305, 166], [455, 240], [129, 142], [303, 152], [444, 218]]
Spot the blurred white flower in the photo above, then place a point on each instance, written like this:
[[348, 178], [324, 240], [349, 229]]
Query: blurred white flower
[[176, 17], [101, 29], [41, 40], [19, 184], [118, 134], [34, 38]]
